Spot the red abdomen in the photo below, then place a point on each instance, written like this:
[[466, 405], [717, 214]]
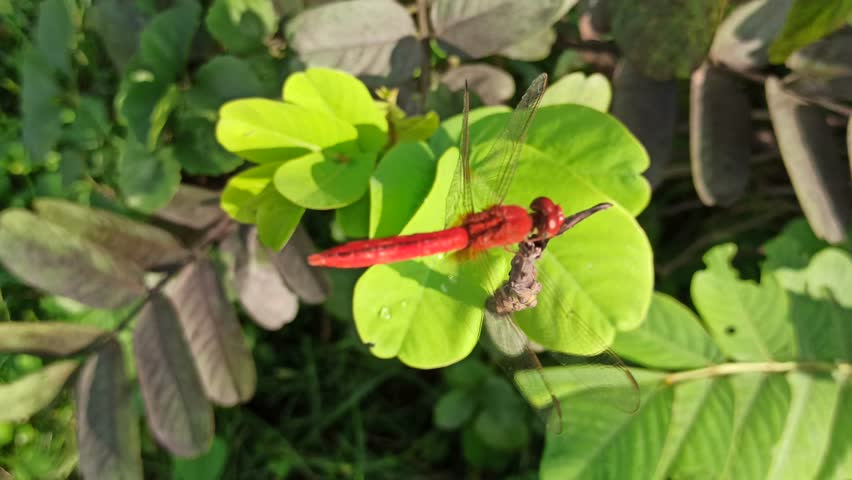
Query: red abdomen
[[363, 253]]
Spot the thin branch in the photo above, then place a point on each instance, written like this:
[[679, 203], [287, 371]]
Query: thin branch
[[725, 369]]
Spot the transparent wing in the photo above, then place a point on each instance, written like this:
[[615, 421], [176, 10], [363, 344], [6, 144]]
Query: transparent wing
[[494, 171], [460, 196]]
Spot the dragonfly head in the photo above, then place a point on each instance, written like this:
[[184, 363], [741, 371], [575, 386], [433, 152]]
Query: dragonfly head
[[547, 217]]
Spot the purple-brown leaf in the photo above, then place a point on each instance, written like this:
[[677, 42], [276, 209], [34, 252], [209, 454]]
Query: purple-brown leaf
[[309, 283], [107, 425], [179, 414], [192, 207]]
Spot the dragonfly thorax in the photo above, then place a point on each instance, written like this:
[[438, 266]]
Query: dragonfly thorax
[[547, 217]]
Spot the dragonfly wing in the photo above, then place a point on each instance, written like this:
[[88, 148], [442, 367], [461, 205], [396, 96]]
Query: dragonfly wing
[[460, 196], [495, 170], [522, 365]]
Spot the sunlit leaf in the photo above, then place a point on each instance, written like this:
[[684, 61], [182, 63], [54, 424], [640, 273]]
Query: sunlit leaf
[[592, 91], [670, 338], [146, 245], [815, 164], [243, 193], [107, 423], [343, 96], [485, 27], [720, 135], [749, 321], [327, 180], [700, 430], [180, 416], [225, 365], [46, 338], [22, 398], [398, 186], [373, 39], [53, 259], [277, 218]]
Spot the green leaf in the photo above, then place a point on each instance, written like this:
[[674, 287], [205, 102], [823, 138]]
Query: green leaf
[[498, 424], [107, 422], [4, 310], [24, 397], [700, 430], [53, 259], [54, 33], [207, 465], [146, 103], [748, 320], [146, 245], [666, 39], [343, 96], [277, 219], [453, 409], [325, 180], [369, 38], [812, 415], [761, 402], [266, 131], [225, 365], [147, 180], [119, 24], [467, 374], [417, 128], [242, 26], [198, 151], [398, 187], [354, 219], [178, 413], [670, 338], [242, 195], [592, 91], [46, 338], [91, 125], [222, 79], [807, 22], [41, 125], [791, 250], [614, 444]]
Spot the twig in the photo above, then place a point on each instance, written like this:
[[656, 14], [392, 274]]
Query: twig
[[725, 369]]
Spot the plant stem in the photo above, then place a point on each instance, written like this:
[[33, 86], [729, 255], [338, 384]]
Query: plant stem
[[725, 369]]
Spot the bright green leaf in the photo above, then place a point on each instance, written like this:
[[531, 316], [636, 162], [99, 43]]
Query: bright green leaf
[[748, 320], [266, 131], [417, 128], [327, 180], [22, 398], [354, 219], [670, 338], [808, 21], [398, 187], [345, 97], [240, 199], [147, 180], [592, 91], [277, 219], [208, 465]]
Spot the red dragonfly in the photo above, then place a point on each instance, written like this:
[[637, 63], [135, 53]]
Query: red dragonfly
[[470, 232]]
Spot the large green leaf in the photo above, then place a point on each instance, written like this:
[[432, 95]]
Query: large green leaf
[[700, 430], [198, 151], [24, 397], [266, 131], [343, 96], [223, 78], [54, 33], [242, 26], [41, 125], [436, 299], [325, 180], [119, 24], [670, 338], [147, 180], [398, 187], [277, 219], [53, 259], [602, 442], [107, 422], [748, 320], [245, 192], [808, 21]]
